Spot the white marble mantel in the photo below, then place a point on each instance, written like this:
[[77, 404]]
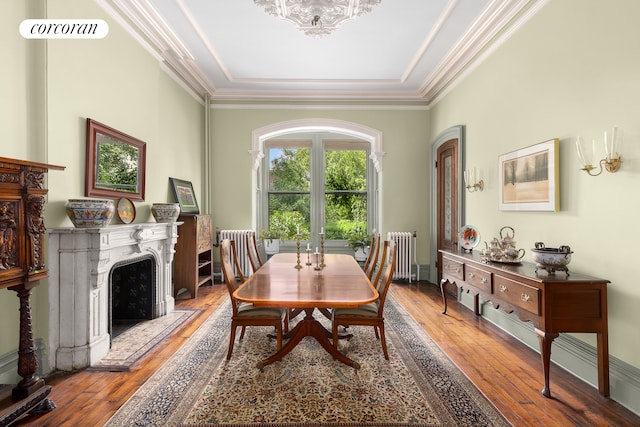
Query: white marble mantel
[[80, 261]]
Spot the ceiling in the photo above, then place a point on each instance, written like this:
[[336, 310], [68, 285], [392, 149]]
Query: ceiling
[[400, 51]]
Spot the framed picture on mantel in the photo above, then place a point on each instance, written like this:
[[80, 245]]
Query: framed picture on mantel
[[184, 195], [529, 178]]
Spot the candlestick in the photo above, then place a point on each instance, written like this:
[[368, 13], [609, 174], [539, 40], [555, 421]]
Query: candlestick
[[322, 264], [317, 256], [298, 265], [308, 252]]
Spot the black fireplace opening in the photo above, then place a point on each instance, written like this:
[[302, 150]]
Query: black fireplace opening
[[133, 292]]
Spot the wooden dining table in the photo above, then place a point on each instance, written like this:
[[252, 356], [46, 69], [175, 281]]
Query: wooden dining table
[[341, 283]]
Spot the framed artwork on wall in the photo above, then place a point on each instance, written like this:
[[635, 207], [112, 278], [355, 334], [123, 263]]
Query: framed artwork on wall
[[184, 195], [115, 163], [529, 178]]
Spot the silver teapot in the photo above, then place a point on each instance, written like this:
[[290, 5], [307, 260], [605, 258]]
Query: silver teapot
[[506, 240], [503, 249]]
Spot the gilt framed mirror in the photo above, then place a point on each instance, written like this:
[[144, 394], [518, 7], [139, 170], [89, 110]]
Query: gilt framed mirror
[[115, 165]]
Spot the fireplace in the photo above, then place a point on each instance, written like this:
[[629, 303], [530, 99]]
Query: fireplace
[[133, 289], [88, 267]]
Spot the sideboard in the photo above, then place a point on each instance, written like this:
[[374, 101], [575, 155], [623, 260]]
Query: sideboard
[[554, 303], [22, 230]]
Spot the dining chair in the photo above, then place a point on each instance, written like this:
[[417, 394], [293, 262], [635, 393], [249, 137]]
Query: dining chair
[[252, 250], [236, 262], [246, 314], [372, 258], [371, 314]]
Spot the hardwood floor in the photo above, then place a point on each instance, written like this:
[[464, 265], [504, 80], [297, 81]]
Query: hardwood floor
[[505, 370]]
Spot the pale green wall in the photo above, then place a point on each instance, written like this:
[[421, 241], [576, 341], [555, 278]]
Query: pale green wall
[[405, 141], [114, 81], [574, 69]]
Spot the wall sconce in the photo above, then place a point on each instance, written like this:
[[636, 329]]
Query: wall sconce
[[611, 162], [472, 181]]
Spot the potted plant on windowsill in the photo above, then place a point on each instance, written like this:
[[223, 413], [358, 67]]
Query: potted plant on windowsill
[[359, 240], [271, 239]]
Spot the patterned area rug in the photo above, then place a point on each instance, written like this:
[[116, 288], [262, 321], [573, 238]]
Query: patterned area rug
[[418, 386], [131, 345]]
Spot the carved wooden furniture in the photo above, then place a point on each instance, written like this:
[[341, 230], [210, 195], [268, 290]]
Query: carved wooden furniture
[[554, 303], [22, 265], [277, 284], [193, 262]]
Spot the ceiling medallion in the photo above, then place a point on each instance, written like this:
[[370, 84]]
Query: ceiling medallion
[[317, 18]]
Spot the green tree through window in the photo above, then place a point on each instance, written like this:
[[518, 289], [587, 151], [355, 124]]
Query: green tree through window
[[316, 177]]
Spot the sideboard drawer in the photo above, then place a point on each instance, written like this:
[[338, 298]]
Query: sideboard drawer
[[453, 268], [479, 278], [519, 294]]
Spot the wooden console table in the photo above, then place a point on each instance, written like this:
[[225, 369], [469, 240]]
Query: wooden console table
[[554, 303]]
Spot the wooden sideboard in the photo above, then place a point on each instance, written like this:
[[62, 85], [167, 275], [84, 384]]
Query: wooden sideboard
[[22, 198], [554, 303]]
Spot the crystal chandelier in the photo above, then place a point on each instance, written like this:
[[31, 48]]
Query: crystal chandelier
[[317, 18]]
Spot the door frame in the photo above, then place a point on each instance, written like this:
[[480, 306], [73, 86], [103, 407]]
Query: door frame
[[454, 132]]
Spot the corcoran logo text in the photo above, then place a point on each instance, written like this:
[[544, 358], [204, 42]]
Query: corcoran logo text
[[63, 28]]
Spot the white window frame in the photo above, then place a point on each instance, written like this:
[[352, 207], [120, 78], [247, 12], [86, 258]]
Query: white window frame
[[279, 130]]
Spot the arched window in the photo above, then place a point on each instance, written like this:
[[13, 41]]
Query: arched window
[[317, 175]]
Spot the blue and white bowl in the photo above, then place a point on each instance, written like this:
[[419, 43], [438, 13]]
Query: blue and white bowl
[[165, 212], [87, 213]]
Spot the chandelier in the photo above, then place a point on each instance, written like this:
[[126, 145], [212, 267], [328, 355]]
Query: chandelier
[[317, 18]]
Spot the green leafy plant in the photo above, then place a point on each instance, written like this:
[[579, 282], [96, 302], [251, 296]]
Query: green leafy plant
[[284, 226], [358, 238], [270, 235]]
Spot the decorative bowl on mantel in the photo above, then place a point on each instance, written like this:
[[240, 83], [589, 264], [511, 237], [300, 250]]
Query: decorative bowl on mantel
[[86, 213], [165, 212]]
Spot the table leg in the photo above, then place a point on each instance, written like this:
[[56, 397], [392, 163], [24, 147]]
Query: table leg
[[443, 286], [546, 339], [308, 327], [603, 363]]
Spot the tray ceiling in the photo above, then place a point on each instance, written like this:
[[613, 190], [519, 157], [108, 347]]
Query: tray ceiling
[[401, 51]]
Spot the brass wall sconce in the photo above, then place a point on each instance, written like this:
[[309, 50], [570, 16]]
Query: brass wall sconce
[[612, 160], [472, 181]]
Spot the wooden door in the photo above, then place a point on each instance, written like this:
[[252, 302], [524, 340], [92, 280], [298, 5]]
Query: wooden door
[[448, 205]]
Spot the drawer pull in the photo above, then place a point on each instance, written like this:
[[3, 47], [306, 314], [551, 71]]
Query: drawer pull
[[525, 297], [503, 288], [471, 275], [483, 280], [457, 269]]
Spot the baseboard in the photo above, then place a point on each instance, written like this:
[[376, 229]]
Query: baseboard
[[9, 364], [571, 354]]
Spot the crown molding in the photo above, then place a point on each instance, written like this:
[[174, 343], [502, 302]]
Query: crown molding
[[140, 20], [321, 107], [498, 22], [498, 17]]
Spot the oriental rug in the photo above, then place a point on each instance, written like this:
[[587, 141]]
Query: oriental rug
[[134, 343], [418, 386]]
